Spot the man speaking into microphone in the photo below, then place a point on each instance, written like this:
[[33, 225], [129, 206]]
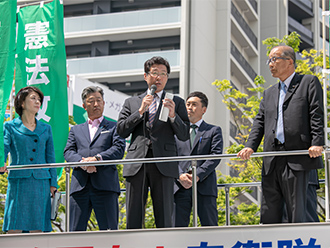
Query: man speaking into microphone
[[152, 138]]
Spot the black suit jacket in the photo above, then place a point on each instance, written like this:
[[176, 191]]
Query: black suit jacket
[[208, 140], [160, 136], [302, 120], [107, 143]]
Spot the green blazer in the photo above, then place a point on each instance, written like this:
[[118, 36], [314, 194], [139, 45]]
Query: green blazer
[[27, 147]]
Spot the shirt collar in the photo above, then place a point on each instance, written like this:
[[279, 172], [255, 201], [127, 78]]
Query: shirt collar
[[198, 123], [99, 119], [288, 80], [159, 94]]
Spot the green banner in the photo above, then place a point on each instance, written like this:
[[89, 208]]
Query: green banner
[[41, 62], [7, 58]]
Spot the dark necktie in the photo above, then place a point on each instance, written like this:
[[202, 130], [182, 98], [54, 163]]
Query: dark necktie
[[193, 134], [280, 129], [153, 110]]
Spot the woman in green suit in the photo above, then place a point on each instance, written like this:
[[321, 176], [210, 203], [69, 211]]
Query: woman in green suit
[[29, 141]]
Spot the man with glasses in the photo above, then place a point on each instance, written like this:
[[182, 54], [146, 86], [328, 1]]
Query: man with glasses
[[152, 138], [290, 118]]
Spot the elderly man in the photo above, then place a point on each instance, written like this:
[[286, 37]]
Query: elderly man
[[290, 118]]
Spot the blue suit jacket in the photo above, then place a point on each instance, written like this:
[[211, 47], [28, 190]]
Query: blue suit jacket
[[107, 143], [208, 141], [27, 147]]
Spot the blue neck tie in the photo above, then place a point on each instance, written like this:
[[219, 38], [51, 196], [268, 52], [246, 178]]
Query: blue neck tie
[[193, 134], [280, 129]]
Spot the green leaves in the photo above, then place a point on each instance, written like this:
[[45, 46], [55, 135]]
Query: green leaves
[[292, 40]]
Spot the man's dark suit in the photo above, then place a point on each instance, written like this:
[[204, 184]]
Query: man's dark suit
[[303, 128], [311, 207], [100, 185], [157, 141], [313, 185], [208, 140]]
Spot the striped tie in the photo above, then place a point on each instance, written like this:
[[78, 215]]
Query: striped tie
[[153, 110]]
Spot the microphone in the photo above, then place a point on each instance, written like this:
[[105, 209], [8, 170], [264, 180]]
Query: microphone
[[153, 89]]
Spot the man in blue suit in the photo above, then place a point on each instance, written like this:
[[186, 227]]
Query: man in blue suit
[[204, 139], [94, 187]]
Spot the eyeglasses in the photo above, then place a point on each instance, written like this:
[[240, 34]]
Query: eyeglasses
[[273, 59], [156, 74], [92, 101]]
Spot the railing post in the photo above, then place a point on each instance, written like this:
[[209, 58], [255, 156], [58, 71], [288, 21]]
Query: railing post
[[67, 198], [325, 79], [327, 181], [193, 159], [194, 191], [227, 189]]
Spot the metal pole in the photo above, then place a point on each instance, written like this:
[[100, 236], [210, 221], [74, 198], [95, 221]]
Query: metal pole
[[325, 75], [67, 198], [327, 179], [156, 160], [227, 190], [194, 191]]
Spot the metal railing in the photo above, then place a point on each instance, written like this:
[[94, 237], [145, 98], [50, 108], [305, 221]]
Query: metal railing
[[227, 187], [194, 160]]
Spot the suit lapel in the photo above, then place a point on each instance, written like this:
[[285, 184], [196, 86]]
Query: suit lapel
[[85, 131], [160, 105], [158, 109], [292, 88], [138, 104], [141, 97], [102, 125], [276, 94], [19, 126], [199, 135]]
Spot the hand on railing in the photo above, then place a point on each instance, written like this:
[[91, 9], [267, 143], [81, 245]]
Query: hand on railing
[[315, 151], [245, 153]]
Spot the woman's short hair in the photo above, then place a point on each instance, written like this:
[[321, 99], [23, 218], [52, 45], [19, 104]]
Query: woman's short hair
[[22, 94]]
